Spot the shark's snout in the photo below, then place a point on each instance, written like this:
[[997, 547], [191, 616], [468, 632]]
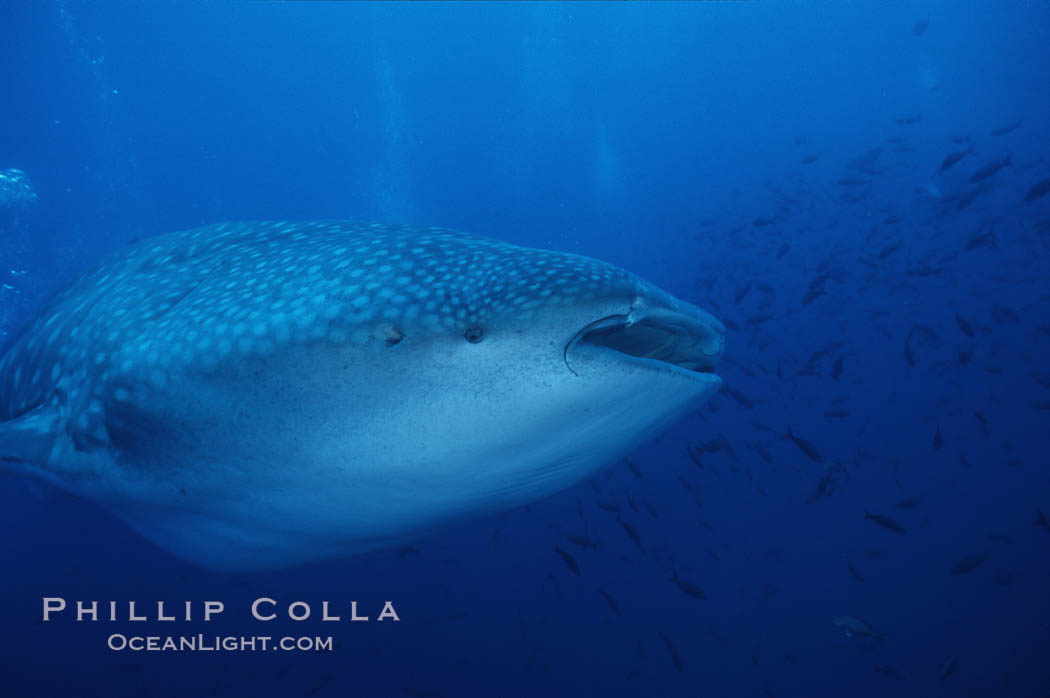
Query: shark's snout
[[670, 334]]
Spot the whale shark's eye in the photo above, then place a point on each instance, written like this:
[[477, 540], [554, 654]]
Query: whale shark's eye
[[473, 335]]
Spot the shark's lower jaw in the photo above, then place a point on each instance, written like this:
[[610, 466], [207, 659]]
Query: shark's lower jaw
[[667, 340]]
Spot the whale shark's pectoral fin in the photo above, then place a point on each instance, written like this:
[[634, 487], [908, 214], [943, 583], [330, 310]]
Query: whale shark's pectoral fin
[[30, 439]]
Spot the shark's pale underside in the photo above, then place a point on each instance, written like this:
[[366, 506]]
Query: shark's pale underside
[[257, 395]]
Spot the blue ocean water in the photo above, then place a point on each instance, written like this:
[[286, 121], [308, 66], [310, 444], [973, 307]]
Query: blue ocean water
[[853, 188]]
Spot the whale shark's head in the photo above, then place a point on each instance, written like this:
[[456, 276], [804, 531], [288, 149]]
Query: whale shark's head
[[541, 367], [586, 377], [260, 394]]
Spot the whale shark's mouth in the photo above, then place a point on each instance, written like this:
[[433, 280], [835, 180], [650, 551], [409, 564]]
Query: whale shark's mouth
[[666, 338]]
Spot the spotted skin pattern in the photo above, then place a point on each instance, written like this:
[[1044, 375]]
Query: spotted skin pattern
[[199, 297]]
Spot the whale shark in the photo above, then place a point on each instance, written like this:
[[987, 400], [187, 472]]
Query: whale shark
[[257, 395]]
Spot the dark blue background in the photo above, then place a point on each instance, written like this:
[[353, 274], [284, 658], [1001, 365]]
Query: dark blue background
[[709, 147]]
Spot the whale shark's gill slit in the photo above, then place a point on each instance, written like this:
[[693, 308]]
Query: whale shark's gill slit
[[650, 338], [36, 404], [170, 303]]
